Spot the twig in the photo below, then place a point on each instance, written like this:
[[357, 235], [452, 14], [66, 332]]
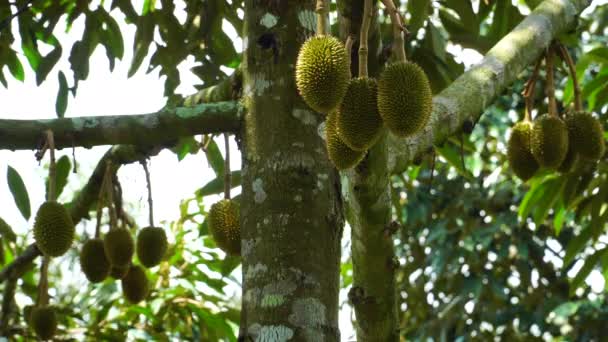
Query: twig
[[363, 49], [528, 91], [101, 201], [8, 298], [398, 30], [43, 283], [110, 195], [550, 83], [149, 185], [52, 167], [227, 178], [5, 22], [322, 10], [578, 101], [348, 46]]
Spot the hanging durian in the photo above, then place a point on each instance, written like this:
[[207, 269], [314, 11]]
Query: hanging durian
[[53, 229]]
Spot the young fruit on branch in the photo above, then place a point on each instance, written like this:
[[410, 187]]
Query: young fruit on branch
[[151, 246], [44, 322], [586, 135], [405, 99], [549, 142], [342, 156], [359, 124], [119, 272], [225, 227], [135, 284], [520, 157], [322, 72], [93, 261], [119, 246], [53, 229]]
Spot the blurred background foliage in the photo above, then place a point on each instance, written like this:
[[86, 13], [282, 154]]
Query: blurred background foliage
[[483, 256]]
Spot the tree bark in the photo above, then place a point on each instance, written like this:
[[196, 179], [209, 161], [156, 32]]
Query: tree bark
[[291, 213]]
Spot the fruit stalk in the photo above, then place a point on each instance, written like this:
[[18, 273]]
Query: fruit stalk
[[348, 46], [322, 10], [367, 20], [110, 196], [578, 102], [52, 170], [149, 185], [43, 284], [398, 30], [550, 83], [101, 200], [227, 179], [528, 92]]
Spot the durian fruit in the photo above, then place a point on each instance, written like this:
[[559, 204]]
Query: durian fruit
[[549, 141], [571, 158], [135, 284], [322, 72], [359, 124], [93, 261], [151, 246], [53, 229], [119, 246], [44, 322], [27, 313], [520, 157], [225, 227], [586, 135], [342, 156], [405, 99], [119, 272]]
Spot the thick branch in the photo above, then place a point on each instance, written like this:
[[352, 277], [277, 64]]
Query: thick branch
[[225, 90], [143, 129], [476, 89]]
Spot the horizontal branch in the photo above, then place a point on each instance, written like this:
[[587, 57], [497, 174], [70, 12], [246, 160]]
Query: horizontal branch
[[161, 127], [226, 90], [469, 95]]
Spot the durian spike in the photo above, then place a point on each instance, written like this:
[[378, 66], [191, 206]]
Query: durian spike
[[398, 30], [550, 83], [322, 9], [144, 163], [227, 178], [528, 92], [565, 55], [363, 49]]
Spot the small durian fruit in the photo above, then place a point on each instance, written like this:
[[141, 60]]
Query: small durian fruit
[[520, 157], [225, 227], [93, 261], [135, 284], [549, 141], [119, 272], [119, 246], [44, 322], [586, 135], [322, 72], [405, 99], [151, 246], [359, 124], [53, 229], [342, 156]]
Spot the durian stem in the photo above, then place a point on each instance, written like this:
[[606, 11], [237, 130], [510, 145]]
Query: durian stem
[[322, 10], [110, 196], [43, 283], [227, 178], [149, 185], [101, 203], [578, 101], [52, 170], [398, 30], [349, 49], [550, 83], [363, 49], [528, 92]]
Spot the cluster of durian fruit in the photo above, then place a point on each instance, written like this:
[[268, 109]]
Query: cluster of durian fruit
[[358, 108]]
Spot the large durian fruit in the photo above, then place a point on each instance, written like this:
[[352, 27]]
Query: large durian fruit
[[135, 285], [53, 229], [93, 261], [151, 246], [43, 321], [342, 156], [322, 72], [586, 135], [119, 246], [520, 156], [223, 219], [549, 141], [405, 99]]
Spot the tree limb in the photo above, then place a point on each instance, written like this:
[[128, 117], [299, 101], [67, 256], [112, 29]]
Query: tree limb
[[226, 90], [469, 95], [143, 129]]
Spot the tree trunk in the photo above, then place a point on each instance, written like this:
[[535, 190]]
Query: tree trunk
[[291, 211]]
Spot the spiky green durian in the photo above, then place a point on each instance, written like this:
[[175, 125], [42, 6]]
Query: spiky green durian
[[342, 156], [520, 157], [119, 272], [225, 227], [44, 322], [405, 99], [358, 122], [549, 141], [322, 72], [53, 229], [151, 246], [571, 159], [93, 261], [135, 284], [119, 246], [586, 135]]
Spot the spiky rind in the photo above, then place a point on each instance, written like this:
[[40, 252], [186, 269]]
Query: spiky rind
[[53, 229], [135, 284], [571, 159], [358, 121], [586, 135], [322, 72], [43, 321], [151, 246], [119, 246], [119, 272], [93, 261], [405, 99], [520, 157], [549, 141], [225, 227], [342, 156]]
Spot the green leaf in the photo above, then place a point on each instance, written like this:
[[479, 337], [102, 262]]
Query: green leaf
[[582, 274], [452, 156], [464, 9], [184, 146], [419, 10], [567, 309], [216, 186], [215, 159], [506, 16], [62, 171], [575, 245], [222, 49], [61, 103], [535, 195], [141, 44], [17, 187], [47, 63], [15, 66], [550, 193], [6, 231]]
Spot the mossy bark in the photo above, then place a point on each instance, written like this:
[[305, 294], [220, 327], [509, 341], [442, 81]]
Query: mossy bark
[[291, 214]]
